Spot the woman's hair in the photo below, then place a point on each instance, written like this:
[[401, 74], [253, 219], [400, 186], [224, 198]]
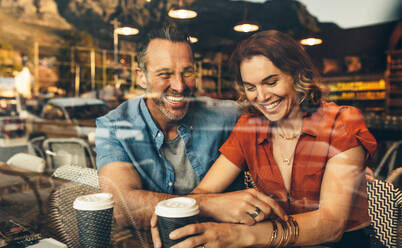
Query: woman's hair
[[288, 56]]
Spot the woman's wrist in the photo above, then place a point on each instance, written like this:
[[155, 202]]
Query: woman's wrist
[[256, 235], [203, 204]]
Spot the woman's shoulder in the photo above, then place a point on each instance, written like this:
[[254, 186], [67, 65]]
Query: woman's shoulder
[[341, 112]]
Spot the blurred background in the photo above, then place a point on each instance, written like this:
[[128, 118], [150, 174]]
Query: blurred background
[[54, 54], [63, 63]]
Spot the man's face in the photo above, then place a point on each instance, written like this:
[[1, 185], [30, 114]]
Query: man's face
[[170, 79]]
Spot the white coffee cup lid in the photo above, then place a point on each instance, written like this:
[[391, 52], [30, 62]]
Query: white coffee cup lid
[[98, 201], [177, 207]]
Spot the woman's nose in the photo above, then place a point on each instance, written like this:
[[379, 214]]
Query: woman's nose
[[261, 95]]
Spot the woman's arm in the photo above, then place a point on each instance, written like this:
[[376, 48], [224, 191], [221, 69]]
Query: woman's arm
[[222, 173], [342, 178], [234, 207]]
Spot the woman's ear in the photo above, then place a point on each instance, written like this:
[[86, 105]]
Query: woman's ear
[[141, 78]]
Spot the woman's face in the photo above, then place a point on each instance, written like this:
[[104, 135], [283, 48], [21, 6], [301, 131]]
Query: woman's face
[[269, 89]]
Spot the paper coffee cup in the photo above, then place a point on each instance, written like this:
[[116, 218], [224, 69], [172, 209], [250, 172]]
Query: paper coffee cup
[[94, 218], [175, 213]]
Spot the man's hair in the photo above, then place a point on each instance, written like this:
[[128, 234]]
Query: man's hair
[[167, 32], [288, 56]]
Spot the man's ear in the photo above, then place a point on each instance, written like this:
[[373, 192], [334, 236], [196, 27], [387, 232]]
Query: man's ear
[[141, 78]]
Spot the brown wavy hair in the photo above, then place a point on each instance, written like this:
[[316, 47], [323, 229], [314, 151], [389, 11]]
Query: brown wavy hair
[[288, 56]]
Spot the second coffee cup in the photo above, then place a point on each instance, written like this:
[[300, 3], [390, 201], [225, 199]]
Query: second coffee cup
[[175, 213]]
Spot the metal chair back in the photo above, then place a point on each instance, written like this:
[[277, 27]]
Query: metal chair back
[[68, 151], [385, 211]]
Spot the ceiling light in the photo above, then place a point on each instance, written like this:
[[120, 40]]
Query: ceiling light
[[311, 41], [181, 13], [245, 26], [193, 39], [126, 31]]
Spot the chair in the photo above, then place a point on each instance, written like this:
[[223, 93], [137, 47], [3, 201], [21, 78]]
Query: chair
[[391, 160], [68, 151], [385, 211], [30, 169], [77, 174], [395, 177], [61, 215], [35, 146]]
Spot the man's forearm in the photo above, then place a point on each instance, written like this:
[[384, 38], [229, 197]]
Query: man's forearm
[[136, 207]]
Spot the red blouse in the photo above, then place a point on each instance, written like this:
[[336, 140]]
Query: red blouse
[[330, 130]]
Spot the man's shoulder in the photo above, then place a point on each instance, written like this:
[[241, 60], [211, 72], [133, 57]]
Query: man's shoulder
[[124, 111]]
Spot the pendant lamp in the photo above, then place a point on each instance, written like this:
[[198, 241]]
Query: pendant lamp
[[179, 12], [245, 26]]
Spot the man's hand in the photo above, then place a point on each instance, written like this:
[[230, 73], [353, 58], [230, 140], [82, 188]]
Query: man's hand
[[246, 206], [155, 232], [209, 233]]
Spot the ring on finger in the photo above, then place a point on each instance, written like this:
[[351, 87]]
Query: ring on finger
[[256, 212]]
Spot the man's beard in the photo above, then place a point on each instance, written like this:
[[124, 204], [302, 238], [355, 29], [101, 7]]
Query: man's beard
[[159, 101]]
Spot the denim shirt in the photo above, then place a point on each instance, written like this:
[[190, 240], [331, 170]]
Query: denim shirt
[[129, 134]]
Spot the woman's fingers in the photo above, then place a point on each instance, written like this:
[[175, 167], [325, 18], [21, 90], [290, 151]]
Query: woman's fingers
[[269, 205]]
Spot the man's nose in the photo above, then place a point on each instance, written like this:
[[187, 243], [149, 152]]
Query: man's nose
[[177, 83]]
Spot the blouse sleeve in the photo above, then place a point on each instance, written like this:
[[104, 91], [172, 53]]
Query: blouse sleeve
[[350, 130], [231, 149]]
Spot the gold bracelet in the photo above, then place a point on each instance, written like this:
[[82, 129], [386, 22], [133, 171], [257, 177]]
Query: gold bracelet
[[296, 229], [292, 232], [280, 241], [284, 235], [274, 233]]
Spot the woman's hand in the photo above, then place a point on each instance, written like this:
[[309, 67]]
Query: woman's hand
[[246, 206]]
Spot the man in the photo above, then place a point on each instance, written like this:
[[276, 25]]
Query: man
[[161, 143]]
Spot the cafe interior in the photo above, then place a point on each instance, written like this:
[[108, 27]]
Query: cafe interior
[[65, 63]]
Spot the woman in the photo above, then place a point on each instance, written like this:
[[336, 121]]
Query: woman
[[305, 154]]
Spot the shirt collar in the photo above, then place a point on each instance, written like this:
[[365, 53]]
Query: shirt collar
[[185, 124], [310, 125], [262, 126], [148, 119], [312, 122]]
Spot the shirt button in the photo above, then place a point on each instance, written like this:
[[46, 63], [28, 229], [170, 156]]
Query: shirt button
[[159, 134], [170, 184]]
